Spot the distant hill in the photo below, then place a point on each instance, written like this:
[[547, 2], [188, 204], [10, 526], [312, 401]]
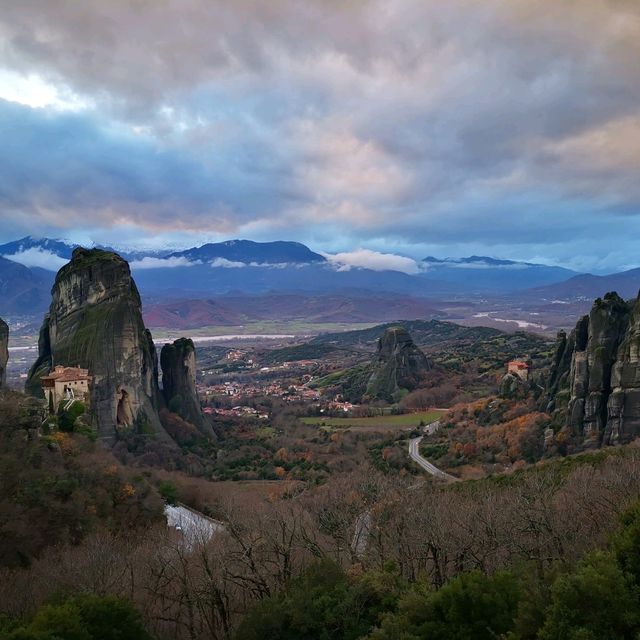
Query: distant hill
[[248, 252], [306, 351], [236, 310], [56, 247], [23, 290], [449, 343], [202, 280], [588, 286], [482, 273], [191, 314], [423, 332]]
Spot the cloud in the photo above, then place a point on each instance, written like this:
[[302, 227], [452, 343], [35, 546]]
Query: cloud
[[480, 263], [227, 264], [37, 257], [367, 259], [234, 264], [487, 265], [150, 262], [71, 170], [506, 122]]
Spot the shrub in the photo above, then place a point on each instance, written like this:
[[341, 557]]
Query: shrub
[[67, 419]]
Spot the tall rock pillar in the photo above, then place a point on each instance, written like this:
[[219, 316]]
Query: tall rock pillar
[[178, 362]]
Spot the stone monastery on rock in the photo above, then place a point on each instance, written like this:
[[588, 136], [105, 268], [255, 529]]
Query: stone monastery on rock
[[65, 383]]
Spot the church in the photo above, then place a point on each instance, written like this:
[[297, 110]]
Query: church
[[66, 383]]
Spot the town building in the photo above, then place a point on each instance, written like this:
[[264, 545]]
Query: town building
[[66, 383], [519, 368]]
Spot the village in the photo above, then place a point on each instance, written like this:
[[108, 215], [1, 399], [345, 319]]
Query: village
[[253, 391], [236, 383]]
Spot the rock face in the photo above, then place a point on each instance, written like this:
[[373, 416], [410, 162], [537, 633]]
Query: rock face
[[178, 362], [398, 366], [4, 351], [512, 387], [594, 385], [95, 322]]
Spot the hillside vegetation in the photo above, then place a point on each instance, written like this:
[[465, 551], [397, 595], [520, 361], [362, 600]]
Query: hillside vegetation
[[58, 489], [513, 555], [449, 343]]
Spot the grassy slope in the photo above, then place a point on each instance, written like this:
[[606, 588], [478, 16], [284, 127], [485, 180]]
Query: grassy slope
[[423, 332], [405, 420]]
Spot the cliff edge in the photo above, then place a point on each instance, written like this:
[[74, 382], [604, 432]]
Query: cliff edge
[[594, 384]]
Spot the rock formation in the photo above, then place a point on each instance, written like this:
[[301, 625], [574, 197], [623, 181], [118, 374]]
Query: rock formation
[[512, 387], [178, 362], [398, 366], [594, 384], [4, 351], [95, 322]]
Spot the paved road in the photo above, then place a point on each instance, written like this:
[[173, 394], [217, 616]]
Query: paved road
[[196, 528], [364, 520], [414, 454]]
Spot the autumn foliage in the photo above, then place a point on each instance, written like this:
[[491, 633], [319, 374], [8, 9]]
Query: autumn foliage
[[493, 431]]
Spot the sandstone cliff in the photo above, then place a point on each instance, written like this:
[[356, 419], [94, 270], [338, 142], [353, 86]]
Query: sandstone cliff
[[594, 384], [512, 387], [398, 366], [178, 362], [95, 321], [4, 351]]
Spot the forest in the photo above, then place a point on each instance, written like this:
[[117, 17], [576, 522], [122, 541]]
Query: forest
[[549, 551]]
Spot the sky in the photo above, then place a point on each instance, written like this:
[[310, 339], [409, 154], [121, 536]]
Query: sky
[[508, 128]]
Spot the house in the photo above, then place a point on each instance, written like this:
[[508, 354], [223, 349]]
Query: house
[[518, 368], [66, 383]]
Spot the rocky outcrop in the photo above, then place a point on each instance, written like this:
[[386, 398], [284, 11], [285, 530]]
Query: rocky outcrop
[[178, 362], [4, 351], [95, 322], [512, 387], [594, 384], [398, 366]]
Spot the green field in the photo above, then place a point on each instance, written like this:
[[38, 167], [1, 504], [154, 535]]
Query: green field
[[402, 421]]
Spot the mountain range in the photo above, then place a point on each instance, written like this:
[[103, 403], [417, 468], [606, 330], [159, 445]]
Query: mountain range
[[23, 290], [244, 267], [486, 274], [587, 286]]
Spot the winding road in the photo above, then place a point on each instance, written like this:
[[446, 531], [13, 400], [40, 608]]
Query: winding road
[[414, 454]]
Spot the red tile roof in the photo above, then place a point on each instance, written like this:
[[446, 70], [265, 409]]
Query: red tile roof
[[68, 374]]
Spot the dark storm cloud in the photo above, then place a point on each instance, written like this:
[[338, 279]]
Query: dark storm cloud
[[506, 122], [70, 170]]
